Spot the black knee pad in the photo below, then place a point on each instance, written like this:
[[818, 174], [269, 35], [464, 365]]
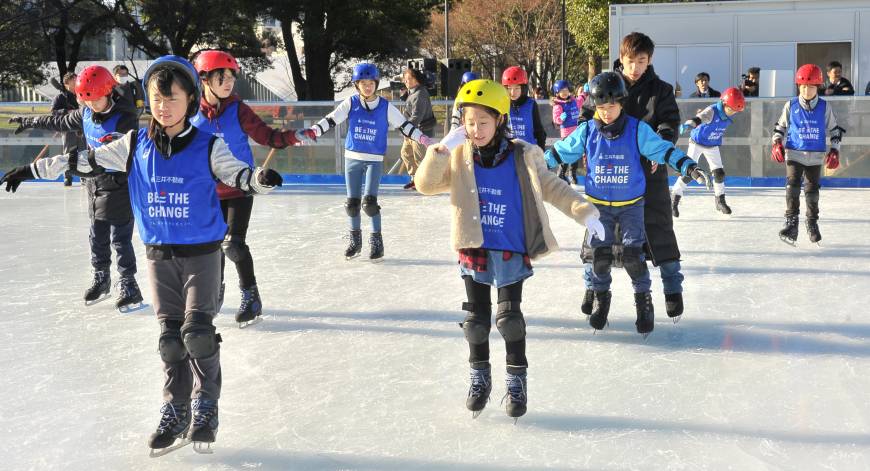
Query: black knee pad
[[719, 175], [632, 258], [170, 346], [370, 205], [602, 259], [477, 323], [510, 322], [199, 335], [235, 248], [352, 207]]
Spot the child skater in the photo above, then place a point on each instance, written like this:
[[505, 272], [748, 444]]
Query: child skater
[[708, 127], [524, 116], [806, 123], [172, 167], [369, 118], [566, 113], [498, 187], [224, 114]]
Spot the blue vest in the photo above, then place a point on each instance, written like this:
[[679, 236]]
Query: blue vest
[[613, 171], [573, 111], [93, 131], [710, 134], [367, 130], [174, 200], [806, 129], [522, 123], [501, 206], [228, 128]]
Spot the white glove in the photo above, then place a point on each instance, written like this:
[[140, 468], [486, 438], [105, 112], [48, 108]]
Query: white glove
[[454, 138], [594, 227], [317, 131]]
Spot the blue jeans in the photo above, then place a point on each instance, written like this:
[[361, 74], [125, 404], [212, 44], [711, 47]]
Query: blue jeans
[[120, 236], [499, 272], [672, 279], [630, 219], [354, 172]]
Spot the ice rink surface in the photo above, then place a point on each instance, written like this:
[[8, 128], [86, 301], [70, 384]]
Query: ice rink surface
[[361, 366]]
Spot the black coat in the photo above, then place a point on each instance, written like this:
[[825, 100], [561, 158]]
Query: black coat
[[63, 103], [710, 92], [652, 100]]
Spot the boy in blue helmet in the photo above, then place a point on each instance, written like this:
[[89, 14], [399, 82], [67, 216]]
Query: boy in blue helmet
[[369, 119], [614, 144], [172, 168]]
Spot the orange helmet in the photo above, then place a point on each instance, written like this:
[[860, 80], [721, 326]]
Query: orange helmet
[[207, 61], [514, 75], [733, 98], [809, 74], [94, 82]]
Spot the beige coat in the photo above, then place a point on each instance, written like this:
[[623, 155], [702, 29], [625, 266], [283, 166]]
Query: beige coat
[[454, 174]]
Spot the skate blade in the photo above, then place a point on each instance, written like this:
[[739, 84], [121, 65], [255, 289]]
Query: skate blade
[[476, 414], [677, 318], [133, 307], [792, 242], [254, 321], [158, 452], [515, 420], [376, 260], [645, 335], [203, 448], [98, 300], [352, 257]]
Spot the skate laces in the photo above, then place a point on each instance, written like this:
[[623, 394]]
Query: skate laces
[[516, 388], [127, 285], [376, 241], [168, 418], [479, 382], [203, 411], [100, 277], [248, 297]]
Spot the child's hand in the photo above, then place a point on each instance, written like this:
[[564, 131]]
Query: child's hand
[[594, 227], [777, 154], [441, 149], [832, 159], [701, 177], [563, 116]]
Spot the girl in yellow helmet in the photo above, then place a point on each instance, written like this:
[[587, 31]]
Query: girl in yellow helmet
[[498, 187]]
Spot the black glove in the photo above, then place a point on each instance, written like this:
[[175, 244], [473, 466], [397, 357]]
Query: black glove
[[22, 122], [269, 177], [14, 177]]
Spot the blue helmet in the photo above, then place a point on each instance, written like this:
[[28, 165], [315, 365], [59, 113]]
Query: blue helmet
[[365, 71], [560, 84], [180, 64], [469, 76]]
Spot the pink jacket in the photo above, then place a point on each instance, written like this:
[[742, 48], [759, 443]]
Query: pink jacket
[[558, 103]]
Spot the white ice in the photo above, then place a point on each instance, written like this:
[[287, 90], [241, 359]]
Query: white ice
[[362, 366]]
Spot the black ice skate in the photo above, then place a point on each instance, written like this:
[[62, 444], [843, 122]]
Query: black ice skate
[[99, 289], [250, 309], [205, 424], [600, 309], [169, 436], [721, 205], [129, 296], [645, 313], [675, 205], [789, 231], [813, 231], [478, 392], [376, 243], [355, 248], [674, 306], [516, 395], [588, 299]]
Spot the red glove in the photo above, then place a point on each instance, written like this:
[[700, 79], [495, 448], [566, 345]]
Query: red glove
[[832, 159], [777, 154]]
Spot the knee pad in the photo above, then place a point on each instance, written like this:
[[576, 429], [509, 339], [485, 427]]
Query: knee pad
[[170, 346], [634, 261], [602, 259], [352, 207], [477, 323], [370, 206], [235, 248], [198, 334], [719, 175], [510, 322]]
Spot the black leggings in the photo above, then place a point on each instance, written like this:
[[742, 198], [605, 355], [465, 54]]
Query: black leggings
[[237, 215], [794, 175], [479, 294]]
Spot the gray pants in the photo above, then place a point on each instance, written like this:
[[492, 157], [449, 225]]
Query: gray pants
[[185, 291]]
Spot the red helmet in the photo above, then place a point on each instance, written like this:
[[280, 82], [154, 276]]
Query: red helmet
[[207, 61], [733, 98], [94, 82], [514, 75], [809, 74]]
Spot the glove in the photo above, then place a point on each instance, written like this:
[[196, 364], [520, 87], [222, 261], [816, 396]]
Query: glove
[[14, 177], [563, 116], [594, 227], [22, 122], [305, 136], [550, 158], [270, 178], [426, 140], [832, 159], [316, 130], [688, 125], [777, 154], [701, 177]]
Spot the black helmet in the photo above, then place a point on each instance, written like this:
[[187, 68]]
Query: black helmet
[[607, 87]]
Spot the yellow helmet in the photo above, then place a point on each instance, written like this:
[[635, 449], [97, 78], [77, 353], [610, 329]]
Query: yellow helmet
[[485, 92]]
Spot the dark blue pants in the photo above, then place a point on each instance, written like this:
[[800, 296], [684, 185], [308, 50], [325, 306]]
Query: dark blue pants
[[110, 234]]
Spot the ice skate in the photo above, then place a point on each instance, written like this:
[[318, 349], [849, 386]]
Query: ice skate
[[355, 248], [645, 313], [169, 436], [789, 231], [813, 231], [376, 243], [100, 287], [722, 206], [600, 310], [129, 297], [250, 308], [478, 392], [517, 395], [203, 430]]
